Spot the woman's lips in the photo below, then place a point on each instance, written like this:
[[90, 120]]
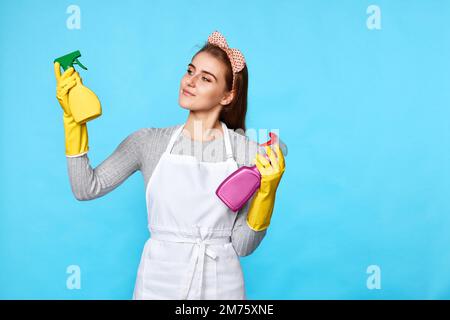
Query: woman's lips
[[187, 93]]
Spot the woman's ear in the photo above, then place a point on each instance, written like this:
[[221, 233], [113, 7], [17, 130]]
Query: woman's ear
[[228, 98]]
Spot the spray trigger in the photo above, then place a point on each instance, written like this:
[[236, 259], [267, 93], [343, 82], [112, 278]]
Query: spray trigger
[[76, 61]]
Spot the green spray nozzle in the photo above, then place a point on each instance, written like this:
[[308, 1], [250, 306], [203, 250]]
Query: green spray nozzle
[[69, 60]]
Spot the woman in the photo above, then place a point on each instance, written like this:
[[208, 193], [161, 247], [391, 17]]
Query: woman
[[196, 241]]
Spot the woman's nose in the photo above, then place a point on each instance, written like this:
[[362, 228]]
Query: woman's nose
[[191, 81]]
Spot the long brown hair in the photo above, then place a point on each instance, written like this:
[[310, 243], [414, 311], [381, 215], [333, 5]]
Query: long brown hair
[[234, 113]]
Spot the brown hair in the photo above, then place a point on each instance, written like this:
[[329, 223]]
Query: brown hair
[[233, 114]]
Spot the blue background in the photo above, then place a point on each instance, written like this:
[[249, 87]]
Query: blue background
[[365, 114]]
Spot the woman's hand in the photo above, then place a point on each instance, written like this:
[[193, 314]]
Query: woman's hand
[[76, 135], [271, 170], [64, 83]]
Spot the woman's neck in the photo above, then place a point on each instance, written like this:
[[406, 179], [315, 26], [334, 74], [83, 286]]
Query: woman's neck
[[202, 126]]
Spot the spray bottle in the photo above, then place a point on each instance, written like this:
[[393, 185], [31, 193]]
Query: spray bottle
[[83, 103], [240, 186]]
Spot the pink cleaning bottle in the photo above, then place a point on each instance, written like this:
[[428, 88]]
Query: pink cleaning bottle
[[240, 186]]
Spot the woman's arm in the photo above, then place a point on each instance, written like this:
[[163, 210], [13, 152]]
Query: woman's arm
[[244, 239], [88, 183]]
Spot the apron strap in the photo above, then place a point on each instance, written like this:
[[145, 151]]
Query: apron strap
[[226, 136], [174, 138]]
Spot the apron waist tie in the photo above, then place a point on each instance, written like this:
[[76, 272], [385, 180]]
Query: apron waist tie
[[199, 256]]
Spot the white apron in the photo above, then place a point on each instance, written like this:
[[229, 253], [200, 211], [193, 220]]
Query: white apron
[[189, 254]]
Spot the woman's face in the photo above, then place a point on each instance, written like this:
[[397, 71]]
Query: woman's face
[[205, 80]]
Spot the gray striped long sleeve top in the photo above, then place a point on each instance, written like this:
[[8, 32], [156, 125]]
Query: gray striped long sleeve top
[[142, 149]]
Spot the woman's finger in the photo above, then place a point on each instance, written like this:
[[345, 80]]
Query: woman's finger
[[260, 166], [73, 77], [56, 67], [272, 158], [263, 160], [62, 91], [67, 73], [67, 83], [280, 156], [263, 169]]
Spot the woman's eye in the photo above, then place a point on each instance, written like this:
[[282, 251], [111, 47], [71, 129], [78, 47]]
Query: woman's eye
[[189, 72]]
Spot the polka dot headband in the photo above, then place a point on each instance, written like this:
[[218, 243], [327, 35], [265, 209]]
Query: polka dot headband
[[236, 58]]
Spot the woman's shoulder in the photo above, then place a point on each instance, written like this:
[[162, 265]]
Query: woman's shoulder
[[147, 138], [157, 133]]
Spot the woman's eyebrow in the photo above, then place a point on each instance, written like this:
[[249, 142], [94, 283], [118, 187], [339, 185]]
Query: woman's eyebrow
[[190, 64]]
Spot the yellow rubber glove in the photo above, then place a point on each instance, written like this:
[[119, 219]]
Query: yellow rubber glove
[[76, 135], [261, 207]]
